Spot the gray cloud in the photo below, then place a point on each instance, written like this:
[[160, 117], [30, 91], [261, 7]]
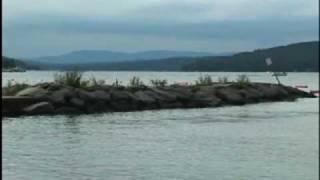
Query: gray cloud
[[191, 25]]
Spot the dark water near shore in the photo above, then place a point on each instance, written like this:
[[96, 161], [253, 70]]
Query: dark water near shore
[[263, 141]]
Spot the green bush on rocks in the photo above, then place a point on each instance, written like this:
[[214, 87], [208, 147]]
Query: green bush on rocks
[[205, 80], [71, 78]]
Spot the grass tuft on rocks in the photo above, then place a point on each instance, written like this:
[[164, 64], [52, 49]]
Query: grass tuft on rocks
[[242, 81], [159, 83], [71, 78], [223, 79], [205, 80]]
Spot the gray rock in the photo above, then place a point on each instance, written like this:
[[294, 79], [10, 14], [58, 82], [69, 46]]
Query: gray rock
[[182, 93], [230, 96], [205, 98], [272, 92], [32, 92], [154, 95], [141, 96], [61, 96], [85, 95], [166, 95], [101, 95], [251, 94], [39, 108], [77, 102], [121, 95]]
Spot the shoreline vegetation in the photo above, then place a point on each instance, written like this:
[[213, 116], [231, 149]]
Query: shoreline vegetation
[[70, 93]]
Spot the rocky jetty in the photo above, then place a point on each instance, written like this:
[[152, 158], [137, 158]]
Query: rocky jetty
[[54, 98]]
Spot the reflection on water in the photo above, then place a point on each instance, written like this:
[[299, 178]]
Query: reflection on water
[[258, 141]]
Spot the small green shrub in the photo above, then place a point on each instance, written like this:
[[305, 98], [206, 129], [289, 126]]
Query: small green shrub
[[117, 84], [71, 78], [205, 80], [158, 83], [135, 82], [242, 81], [97, 83], [223, 79]]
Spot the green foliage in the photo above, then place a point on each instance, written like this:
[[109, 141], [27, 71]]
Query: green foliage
[[135, 82], [96, 83], [223, 79], [158, 83], [205, 80], [71, 78], [117, 84], [242, 81]]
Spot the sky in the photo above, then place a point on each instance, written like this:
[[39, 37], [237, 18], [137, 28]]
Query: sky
[[33, 28]]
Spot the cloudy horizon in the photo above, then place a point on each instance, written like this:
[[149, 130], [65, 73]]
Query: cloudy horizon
[[36, 28]]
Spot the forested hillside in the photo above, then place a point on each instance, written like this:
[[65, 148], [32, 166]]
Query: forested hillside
[[293, 57]]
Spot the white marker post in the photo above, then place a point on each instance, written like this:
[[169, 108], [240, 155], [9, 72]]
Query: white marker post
[[269, 63]]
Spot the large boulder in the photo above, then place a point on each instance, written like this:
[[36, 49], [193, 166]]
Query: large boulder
[[205, 99], [39, 108], [164, 95], [33, 92], [121, 95], [181, 93], [85, 95], [231, 96], [77, 102], [101, 95], [273, 92], [251, 94], [62, 96], [141, 96]]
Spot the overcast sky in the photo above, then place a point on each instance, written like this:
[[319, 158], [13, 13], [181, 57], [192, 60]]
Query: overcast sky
[[34, 28]]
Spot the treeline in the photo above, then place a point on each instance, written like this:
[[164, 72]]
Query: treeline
[[8, 63], [294, 57], [11, 63]]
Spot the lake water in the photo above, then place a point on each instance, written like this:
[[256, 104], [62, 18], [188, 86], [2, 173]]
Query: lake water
[[273, 141]]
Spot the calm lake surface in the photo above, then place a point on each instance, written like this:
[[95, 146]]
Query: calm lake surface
[[273, 141]]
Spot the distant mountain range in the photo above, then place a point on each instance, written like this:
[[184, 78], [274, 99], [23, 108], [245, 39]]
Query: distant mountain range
[[103, 56], [300, 57]]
